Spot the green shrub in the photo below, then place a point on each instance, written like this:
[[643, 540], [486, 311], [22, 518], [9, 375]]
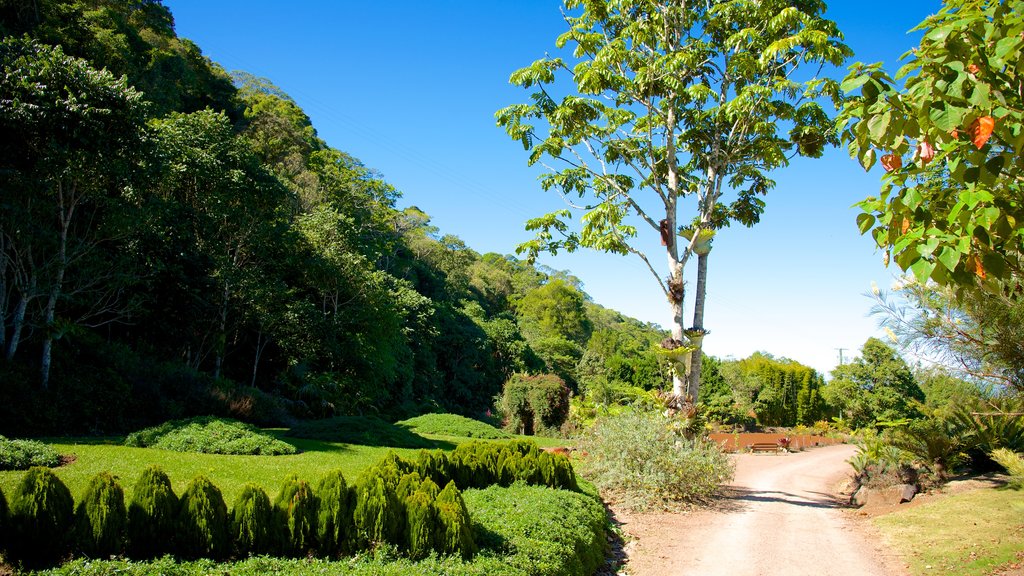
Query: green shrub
[[296, 508], [434, 464], [534, 404], [551, 532], [101, 519], [254, 526], [935, 443], [421, 522], [202, 521], [362, 430], [335, 529], [1013, 463], [644, 459], [454, 530], [23, 454], [42, 515], [453, 425], [152, 515], [209, 435], [995, 424], [378, 514]]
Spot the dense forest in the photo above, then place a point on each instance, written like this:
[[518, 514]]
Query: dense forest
[[177, 240]]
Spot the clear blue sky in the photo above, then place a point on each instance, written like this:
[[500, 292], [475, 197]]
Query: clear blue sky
[[411, 87]]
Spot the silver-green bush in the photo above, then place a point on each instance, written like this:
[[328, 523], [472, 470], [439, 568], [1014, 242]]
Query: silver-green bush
[[646, 460]]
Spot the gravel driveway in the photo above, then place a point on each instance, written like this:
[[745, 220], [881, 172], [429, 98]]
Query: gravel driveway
[[781, 518]]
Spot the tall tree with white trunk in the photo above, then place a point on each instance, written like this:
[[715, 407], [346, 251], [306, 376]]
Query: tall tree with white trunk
[[675, 116]]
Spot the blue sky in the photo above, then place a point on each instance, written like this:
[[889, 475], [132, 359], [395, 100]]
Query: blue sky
[[411, 87]]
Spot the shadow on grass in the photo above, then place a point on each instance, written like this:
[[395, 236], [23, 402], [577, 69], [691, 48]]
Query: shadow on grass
[[364, 431]]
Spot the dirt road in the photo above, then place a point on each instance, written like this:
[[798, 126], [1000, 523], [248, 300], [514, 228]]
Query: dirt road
[[780, 519]]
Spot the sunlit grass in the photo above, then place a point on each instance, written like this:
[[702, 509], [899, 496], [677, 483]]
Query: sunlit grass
[[229, 473], [967, 534]]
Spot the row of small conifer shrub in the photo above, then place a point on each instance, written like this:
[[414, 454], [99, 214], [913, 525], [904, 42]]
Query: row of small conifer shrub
[[396, 501]]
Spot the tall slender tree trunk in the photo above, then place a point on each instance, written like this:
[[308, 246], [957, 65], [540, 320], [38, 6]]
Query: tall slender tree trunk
[[696, 357], [222, 333], [66, 206]]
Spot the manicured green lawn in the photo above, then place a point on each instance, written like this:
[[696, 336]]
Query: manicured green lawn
[[967, 534], [229, 473]]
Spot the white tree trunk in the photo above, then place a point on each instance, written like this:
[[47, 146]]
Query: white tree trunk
[[696, 357]]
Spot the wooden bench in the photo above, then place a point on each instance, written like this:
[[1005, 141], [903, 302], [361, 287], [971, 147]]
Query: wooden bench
[[765, 447]]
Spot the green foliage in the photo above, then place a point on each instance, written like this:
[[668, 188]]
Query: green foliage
[[335, 528], [422, 521], [535, 404], [948, 210], [362, 430], [876, 387], [994, 424], [1013, 463], [209, 435], [647, 460], [254, 524], [525, 531], [203, 522], [24, 454], [101, 519], [454, 530], [936, 443], [553, 532], [878, 463], [5, 522], [296, 508], [152, 515], [452, 425], [42, 516], [378, 514]]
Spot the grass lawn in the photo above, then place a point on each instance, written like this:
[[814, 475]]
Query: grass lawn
[[229, 473], [971, 533]]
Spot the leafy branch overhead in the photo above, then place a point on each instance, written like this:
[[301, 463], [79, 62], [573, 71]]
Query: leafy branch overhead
[[949, 140]]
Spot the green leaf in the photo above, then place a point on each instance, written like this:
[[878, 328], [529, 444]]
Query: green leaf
[[867, 159], [865, 222], [949, 258], [877, 125], [922, 270], [851, 82]]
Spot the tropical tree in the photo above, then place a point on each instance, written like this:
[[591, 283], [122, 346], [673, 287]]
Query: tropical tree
[[949, 140], [876, 387], [673, 104], [71, 135]]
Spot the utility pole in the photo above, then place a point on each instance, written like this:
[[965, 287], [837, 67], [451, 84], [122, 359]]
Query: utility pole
[[841, 355]]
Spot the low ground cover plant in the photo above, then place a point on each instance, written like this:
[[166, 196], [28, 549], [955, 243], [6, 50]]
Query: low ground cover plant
[[645, 459], [453, 425], [24, 454], [209, 435]]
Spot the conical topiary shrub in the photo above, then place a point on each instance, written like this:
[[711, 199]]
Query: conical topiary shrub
[[408, 484], [152, 515], [434, 464], [202, 521], [421, 522], [378, 514], [101, 519], [255, 528], [454, 533], [335, 529], [42, 518], [297, 512]]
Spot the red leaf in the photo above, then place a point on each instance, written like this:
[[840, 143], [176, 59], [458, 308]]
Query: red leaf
[[981, 130], [892, 162]]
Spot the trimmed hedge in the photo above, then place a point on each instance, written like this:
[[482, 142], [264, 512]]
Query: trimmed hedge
[[101, 519], [152, 515], [521, 531], [42, 516], [393, 507], [209, 435]]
